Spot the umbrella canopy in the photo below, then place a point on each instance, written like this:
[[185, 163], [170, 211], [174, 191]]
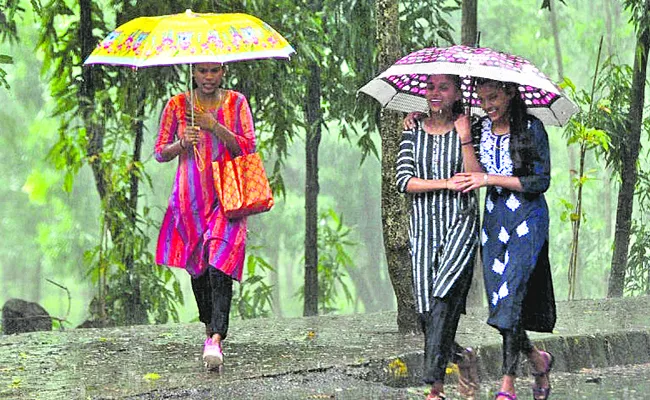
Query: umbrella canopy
[[188, 38], [402, 86]]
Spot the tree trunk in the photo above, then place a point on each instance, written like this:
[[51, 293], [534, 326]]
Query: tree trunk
[[314, 117], [630, 152], [469, 37], [394, 208], [469, 30], [94, 131], [95, 146], [135, 310], [87, 97]]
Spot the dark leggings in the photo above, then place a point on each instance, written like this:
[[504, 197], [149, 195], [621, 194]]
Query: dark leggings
[[213, 294], [439, 326], [515, 342]]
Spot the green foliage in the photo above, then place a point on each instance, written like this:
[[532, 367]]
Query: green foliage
[[334, 36], [547, 4], [426, 23], [639, 11], [4, 59], [254, 298], [334, 260], [613, 88], [9, 13], [637, 277], [107, 137], [580, 131], [611, 100], [157, 287]]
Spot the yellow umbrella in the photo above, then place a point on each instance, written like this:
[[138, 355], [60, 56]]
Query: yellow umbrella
[[188, 38]]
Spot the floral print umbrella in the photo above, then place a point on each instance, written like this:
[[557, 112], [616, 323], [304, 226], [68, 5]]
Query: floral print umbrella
[[402, 86], [188, 38]]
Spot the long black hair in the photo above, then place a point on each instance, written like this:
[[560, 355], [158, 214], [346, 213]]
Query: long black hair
[[521, 146], [457, 108]]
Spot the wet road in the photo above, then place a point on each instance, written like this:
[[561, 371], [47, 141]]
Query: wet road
[[620, 383], [326, 357], [630, 382]]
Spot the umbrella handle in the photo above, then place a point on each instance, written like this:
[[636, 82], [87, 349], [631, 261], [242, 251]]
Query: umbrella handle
[[191, 96], [197, 156]]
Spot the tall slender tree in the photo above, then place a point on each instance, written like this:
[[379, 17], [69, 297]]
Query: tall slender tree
[[469, 37], [394, 208], [469, 24], [320, 81], [102, 111], [314, 118], [630, 147]]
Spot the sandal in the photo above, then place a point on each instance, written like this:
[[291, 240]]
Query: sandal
[[509, 396], [542, 393], [436, 395], [468, 381]]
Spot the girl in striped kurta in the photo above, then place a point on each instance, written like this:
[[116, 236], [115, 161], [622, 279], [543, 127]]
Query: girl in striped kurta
[[195, 234], [443, 228]]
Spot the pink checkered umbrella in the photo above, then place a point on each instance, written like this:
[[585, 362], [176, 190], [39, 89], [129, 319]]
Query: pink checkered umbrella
[[402, 86]]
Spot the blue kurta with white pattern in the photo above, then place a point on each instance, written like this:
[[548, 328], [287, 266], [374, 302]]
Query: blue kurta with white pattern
[[514, 235]]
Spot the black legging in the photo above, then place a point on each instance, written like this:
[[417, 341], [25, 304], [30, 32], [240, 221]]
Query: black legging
[[213, 294], [439, 325], [515, 342]]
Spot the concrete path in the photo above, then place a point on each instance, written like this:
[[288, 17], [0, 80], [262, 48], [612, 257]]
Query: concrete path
[[164, 361]]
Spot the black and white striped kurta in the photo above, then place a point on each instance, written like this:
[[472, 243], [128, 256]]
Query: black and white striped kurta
[[444, 224]]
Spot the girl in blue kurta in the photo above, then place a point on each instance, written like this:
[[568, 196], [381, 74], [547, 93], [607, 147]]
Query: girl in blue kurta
[[513, 162]]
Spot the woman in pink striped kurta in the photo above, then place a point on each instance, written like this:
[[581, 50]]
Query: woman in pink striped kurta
[[195, 234]]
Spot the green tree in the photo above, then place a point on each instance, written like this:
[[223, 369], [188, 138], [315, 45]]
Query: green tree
[[394, 208], [101, 112], [629, 148], [314, 91]]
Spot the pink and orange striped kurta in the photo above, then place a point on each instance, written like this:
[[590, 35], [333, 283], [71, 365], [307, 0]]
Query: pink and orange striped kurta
[[195, 233]]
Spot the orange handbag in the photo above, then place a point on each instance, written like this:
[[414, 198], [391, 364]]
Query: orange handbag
[[242, 186]]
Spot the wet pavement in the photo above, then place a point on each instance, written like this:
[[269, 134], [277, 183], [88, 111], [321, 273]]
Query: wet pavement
[[341, 357], [631, 382]]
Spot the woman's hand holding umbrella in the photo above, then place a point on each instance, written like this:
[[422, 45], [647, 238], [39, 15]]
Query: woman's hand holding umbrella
[[205, 121], [202, 121], [191, 136]]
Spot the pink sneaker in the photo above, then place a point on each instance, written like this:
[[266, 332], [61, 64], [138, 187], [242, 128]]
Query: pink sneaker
[[212, 354]]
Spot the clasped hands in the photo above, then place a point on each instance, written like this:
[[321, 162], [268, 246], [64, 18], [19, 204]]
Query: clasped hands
[[466, 181]]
